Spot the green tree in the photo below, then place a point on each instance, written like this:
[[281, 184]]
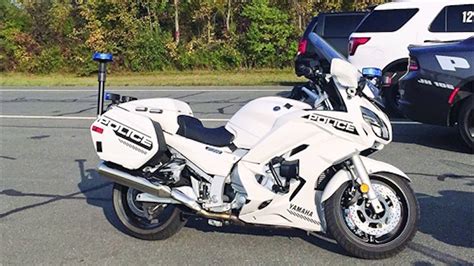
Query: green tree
[[266, 39], [13, 22], [55, 35]]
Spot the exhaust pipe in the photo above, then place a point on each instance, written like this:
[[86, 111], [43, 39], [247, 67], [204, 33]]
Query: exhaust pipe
[[192, 204], [162, 191], [138, 183]]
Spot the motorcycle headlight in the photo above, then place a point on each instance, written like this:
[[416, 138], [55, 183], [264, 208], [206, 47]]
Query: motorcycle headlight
[[379, 128]]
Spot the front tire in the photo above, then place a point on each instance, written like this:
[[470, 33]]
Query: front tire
[[466, 123], [145, 221], [365, 234]]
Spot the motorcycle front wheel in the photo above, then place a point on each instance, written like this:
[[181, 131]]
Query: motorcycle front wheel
[[366, 234], [148, 221]]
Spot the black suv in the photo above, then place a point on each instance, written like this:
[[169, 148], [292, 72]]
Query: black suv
[[335, 28]]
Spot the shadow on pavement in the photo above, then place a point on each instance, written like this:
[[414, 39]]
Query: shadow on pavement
[[437, 255], [91, 186], [317, 240], [448, 218], [51, 198], [91, 179], [437, 137]]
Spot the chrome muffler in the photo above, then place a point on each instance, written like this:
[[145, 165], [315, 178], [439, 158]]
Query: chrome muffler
[[135, 182], [162, 191]]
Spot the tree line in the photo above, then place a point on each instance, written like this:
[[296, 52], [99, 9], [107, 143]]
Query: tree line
[[152, 35]]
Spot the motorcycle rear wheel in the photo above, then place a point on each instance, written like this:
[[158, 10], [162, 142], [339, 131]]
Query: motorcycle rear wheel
[[166, 221], [365, 234]]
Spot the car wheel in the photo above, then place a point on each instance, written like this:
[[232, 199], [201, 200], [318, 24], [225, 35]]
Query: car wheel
[[392, 95], [466, 122]]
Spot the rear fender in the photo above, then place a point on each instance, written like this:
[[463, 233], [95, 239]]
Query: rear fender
[[372, 166]]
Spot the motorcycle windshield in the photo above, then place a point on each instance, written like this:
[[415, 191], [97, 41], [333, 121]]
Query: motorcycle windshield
[[324, 48]]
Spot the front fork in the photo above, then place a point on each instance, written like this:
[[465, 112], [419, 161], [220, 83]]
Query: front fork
[[361, 172]]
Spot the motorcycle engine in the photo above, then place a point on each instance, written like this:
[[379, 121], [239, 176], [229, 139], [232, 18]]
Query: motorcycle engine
[[167, 173]]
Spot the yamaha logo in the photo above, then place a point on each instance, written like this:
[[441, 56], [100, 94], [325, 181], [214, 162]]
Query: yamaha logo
[[302, 213], [128, 133], [336, 123], [301, 210]]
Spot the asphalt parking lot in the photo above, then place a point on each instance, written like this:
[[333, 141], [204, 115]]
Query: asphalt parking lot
[[55, 208]]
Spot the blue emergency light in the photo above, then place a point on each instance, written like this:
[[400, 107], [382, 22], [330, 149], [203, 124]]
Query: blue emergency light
[[371, 72], [102, 57]]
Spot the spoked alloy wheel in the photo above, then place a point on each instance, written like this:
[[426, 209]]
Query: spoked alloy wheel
[[149, 221], [366, 234], [369, 226]]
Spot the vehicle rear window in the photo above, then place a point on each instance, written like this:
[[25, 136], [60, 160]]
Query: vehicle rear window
[[386, 20], [458, 18], [341, 26]]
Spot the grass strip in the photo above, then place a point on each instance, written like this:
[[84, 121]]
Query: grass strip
[[259, 77]]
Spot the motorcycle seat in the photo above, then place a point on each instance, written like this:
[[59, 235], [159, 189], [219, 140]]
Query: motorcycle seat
[[192, 128]]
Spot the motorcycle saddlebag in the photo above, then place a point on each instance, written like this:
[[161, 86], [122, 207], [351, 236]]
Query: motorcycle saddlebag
[[127, 139]]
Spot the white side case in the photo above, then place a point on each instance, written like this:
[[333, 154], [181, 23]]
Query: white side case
[[162, 110], [125, 138]]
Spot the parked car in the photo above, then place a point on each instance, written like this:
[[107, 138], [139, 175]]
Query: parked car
[[382, 38], [335, 28], [439, 86]]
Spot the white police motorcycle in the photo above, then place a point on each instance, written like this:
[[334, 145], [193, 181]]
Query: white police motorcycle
[[296, 162]]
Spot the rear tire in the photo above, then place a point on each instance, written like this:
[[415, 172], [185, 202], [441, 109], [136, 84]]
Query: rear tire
[[164, 224], [379, 247], [466, 122]]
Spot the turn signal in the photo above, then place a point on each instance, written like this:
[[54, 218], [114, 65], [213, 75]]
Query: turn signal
[[364, 188]]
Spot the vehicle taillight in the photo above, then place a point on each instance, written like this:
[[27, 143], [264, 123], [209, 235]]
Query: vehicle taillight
[[97, 129], [413, 64], [302, 46], [355, 42]]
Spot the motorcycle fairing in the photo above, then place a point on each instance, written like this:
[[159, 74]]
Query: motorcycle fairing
[[291, 209], [255, 119]]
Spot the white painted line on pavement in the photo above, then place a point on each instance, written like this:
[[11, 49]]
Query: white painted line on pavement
[[93, 117], [48, 117], [83, 118], [404, 123], [146, 90]]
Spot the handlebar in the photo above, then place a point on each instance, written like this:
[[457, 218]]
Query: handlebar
[[310, 72]]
